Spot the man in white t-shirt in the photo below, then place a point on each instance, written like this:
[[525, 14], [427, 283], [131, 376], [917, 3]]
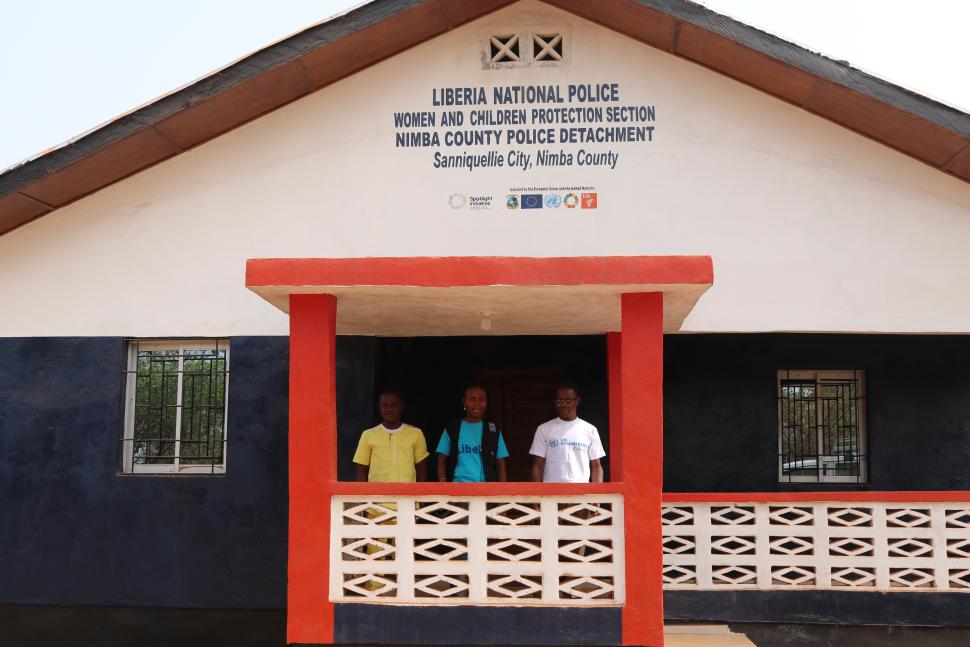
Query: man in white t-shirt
[[567, 449]]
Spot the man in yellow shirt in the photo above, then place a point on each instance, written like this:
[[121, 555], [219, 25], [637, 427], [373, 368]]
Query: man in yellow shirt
[[391, 452]]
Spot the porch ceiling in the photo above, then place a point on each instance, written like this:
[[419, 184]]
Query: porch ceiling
[[451, 296]]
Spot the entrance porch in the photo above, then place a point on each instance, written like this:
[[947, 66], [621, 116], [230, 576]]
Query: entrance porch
[[551, 563]]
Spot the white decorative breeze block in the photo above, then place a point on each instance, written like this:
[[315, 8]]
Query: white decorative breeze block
[[514, 550], [865, 546]]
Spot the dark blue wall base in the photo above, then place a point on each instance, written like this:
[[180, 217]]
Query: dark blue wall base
[[369, 624], [76, 626], [825, 607]]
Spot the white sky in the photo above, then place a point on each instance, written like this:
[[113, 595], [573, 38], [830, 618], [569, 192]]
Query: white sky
[[66, 66]]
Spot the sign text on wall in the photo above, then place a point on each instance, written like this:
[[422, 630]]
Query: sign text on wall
[[526, 126]]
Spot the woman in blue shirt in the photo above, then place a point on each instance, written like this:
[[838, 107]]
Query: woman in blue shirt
[[472, 450]]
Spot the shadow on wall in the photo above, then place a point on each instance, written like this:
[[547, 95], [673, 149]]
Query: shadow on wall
[[46, 626], [778, 635]]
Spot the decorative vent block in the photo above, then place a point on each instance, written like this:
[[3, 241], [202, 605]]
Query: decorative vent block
[[547, 47], [504, 48]]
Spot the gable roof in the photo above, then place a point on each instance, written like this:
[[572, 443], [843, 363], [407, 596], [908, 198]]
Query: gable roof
[[320, 55]]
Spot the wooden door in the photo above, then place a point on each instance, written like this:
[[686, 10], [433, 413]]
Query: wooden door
[[518, 402]]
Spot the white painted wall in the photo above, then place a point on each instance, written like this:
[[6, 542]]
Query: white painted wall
[[811, 227]]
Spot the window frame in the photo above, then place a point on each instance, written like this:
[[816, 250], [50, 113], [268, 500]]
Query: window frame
[[820, 375], [132, 347]]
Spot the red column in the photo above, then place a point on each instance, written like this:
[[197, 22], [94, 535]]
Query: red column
[[313, 466], [641, 416], [616, 423]]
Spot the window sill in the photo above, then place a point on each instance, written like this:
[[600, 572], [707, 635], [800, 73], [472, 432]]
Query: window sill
[[824, 486], [170, 470]]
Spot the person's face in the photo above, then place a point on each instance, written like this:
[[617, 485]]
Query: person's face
[[391, 408], [475, 402], [566, 402]]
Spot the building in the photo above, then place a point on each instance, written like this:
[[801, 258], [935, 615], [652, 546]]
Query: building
[[751, 257]]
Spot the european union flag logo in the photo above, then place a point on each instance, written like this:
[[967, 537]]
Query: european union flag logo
[[531, 201]]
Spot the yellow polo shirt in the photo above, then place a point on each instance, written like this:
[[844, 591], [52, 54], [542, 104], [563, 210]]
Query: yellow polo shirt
[[391, 453]]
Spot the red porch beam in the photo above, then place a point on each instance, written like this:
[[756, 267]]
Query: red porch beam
[[470, 271], [870, 496]]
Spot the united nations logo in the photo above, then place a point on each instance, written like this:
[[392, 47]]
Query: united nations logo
[[456, 200], [570, 200], [512, 202], [553, 201]]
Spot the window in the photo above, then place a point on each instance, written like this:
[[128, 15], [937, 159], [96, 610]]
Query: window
[[821, 427], [176, 407]]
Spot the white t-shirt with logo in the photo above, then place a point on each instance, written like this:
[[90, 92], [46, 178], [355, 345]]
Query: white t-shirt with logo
[[568, 446]]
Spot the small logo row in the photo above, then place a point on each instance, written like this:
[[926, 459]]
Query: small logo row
[[526, 201], [550, 201]]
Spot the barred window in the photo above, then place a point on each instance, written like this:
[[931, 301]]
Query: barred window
[[821, 427], [176, 407]]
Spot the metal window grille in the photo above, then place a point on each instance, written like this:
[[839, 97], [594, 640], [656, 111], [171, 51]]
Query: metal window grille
[[821, 426], [176, 407]]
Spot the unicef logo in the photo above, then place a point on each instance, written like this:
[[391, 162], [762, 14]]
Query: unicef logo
[[553, 201], [456, 200], [570, 200], [554, 442]]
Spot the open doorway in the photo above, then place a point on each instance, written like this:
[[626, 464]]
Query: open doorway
[[519, 373]]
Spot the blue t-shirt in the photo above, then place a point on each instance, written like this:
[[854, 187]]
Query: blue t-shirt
[[469, 467]]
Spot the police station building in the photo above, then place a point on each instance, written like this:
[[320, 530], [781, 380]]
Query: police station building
[[753, 260]]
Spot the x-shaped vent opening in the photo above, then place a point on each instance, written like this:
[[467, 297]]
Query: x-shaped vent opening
[[504, 49], [547, 47]]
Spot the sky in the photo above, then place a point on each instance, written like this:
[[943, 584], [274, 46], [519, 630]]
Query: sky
[[67, 67]]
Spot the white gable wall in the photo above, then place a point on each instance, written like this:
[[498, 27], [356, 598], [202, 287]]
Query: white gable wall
[[811, 227]]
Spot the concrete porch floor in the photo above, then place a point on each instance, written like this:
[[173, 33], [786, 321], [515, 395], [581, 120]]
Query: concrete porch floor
[[703, 636]]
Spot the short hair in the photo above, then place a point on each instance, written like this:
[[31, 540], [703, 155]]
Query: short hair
[[474, 385], [391, 391], [566, 384]]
